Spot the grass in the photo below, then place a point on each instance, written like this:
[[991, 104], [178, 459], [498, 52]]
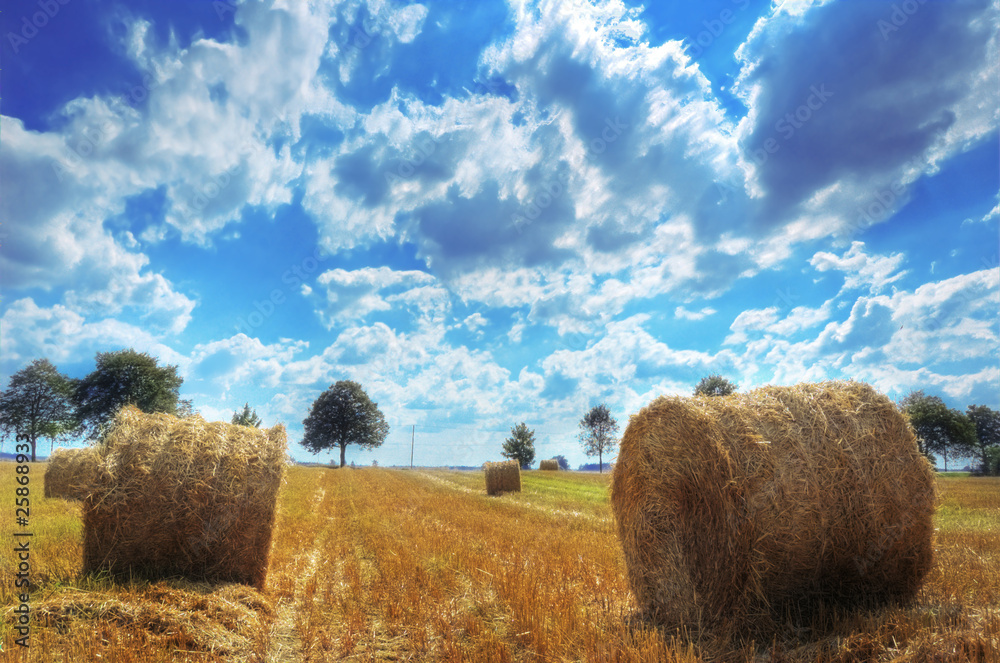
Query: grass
[[374, 565]]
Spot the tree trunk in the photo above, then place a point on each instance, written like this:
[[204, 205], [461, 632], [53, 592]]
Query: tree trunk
[[600, 462], [34, 443], [944, 453], [343, 452]]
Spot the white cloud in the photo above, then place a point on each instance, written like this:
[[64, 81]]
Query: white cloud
[[862, 270], [821, 148], [61, 335], [354, 294], [56, 239], [684, 314], [475, 322]]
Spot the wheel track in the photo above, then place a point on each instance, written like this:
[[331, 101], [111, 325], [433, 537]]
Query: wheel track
[[285, 644]]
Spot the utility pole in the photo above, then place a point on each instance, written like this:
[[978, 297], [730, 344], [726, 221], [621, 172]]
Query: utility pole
[[413, 433]]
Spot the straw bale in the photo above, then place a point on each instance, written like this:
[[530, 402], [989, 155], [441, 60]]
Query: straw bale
[[503, 477], [184, 497], [551, 465], [729, 508], [70, 472]]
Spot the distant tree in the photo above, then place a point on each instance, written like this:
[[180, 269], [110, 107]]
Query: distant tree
[[343, 415], [597, 433], [939, 428], [247, 417], [714, 385], [987, 423], [185, 408], [992, 461], [38, 403], [520, 446], [121, 378], [563, 463]]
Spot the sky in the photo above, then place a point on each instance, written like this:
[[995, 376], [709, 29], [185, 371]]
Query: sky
[[489, 212]]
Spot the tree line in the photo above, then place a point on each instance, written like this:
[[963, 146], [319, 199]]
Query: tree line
[[42, 403]]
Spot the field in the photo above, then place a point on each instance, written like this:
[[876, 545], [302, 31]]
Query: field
[[391, 565]]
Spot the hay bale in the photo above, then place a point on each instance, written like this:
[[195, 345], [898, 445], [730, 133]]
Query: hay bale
[[730, 507], [551, 465], [503, 477], [184, 497], [69, 473]]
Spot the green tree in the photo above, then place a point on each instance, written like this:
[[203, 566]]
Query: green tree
[[343, 415], [939, 428], [597, 433], [714, 385], [520, 446], [247, 417], [38, 403], [987, 423], [992, 461], [121, 378]]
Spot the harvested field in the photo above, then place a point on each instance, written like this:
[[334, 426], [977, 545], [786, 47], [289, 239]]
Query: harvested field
[[382, 564]]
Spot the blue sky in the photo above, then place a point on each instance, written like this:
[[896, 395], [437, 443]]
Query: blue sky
[[491, 212]]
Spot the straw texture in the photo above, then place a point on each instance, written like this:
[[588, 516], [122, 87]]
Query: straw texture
[[551, 465], [184, 497], [729, 507], [69, 473], [503, 477]]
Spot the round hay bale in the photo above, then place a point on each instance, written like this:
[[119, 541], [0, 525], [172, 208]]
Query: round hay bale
[[184, 497], [70, 473], [551, 465], [729, 507], [503, 477]]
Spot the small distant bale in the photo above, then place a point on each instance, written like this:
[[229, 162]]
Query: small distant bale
[[551, 465], [728, 508], [184, 497], [69, 473], [503, 477]]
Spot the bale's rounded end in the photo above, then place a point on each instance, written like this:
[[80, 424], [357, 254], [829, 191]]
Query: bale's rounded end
[[503, 477], [729, 506]]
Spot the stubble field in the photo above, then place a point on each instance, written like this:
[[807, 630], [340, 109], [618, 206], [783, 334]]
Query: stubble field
[[421, 565]]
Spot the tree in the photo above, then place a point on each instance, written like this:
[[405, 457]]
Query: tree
[[38, 403], [939, 428], [342, 415], [563, 463], [597, 433], [520, 446], [714, 385], [987, 424], [992, 461], [185, 408], [247, 417], [121, 378]]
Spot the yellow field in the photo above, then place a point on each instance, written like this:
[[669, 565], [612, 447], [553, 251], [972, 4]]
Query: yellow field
[[375, 565]]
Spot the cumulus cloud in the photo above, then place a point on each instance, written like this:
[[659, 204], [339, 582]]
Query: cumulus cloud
[[61, 335], [860, 269], [844, 137], [684, 314], [56, 239], [354, 294]]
